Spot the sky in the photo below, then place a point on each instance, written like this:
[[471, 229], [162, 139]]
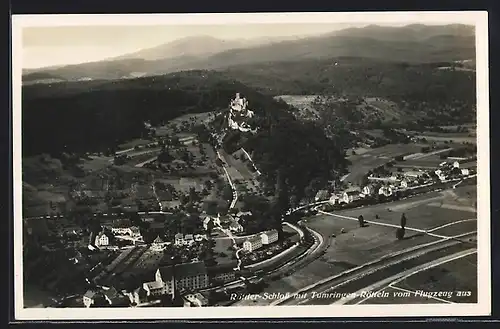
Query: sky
[[63, 45], [50, 40]]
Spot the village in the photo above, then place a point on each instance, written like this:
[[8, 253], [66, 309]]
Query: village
[[396, 183], [178, 244]]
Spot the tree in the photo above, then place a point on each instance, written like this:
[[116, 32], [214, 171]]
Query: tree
[[227, 193], [193, 195], [403, 221], [361, 221], [400, 233], [183, 199]]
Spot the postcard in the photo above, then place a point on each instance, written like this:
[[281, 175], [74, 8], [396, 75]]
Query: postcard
[[239, 166]]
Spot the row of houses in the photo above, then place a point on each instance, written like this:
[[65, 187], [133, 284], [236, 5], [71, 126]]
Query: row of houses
[[260, 240], [387, 186], [187, 239]]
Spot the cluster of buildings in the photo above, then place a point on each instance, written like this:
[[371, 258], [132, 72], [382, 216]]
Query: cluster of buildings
[[187, 239], [387, 186], [260, 240], [180, 282], [119, 230], [232, 222]]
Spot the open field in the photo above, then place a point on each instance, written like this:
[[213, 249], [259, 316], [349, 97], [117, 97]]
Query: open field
[[299, 101], [421, 211], [447, 138], [387, 108], [373, 158], [358, 246], [459, 275], [48, 183], [457, 279], [430, 162], [197, 118]]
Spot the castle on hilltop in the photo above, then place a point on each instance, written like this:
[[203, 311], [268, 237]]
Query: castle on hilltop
[[239, 113]]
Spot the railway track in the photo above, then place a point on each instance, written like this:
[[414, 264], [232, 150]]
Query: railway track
[[362, 276]]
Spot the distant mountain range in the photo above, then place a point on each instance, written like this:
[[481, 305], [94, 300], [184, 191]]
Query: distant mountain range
[[412, 43]]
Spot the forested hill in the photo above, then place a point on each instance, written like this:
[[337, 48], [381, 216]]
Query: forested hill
[[356, 76], [412, 43], [87, 116], [431, 90], [97, 115]]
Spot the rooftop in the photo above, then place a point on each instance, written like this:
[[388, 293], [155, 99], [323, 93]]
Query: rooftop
[[183, 270], [253, 239], [158, 240], [154, 285], [271, 232], [90, 294]]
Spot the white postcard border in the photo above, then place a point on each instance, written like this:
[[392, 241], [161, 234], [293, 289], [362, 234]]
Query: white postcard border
[[483, 307]]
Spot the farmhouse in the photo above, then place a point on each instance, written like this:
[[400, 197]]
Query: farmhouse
[[158, 244], [465, 172], [252, 243], [351, 195], [179, 239], [188, 239], [385, 191], [334, 199], [102, 240], [368, 190], [269, 237]]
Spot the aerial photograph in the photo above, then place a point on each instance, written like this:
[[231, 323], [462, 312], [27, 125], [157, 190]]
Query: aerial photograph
[[249, 165]]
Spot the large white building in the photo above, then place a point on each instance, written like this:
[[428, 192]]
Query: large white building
[[187, 276], [269, 237], [102, 240], [252, 243]]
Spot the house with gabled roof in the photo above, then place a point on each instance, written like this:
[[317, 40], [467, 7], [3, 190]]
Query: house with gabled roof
[[93, 298], [158, 244]]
